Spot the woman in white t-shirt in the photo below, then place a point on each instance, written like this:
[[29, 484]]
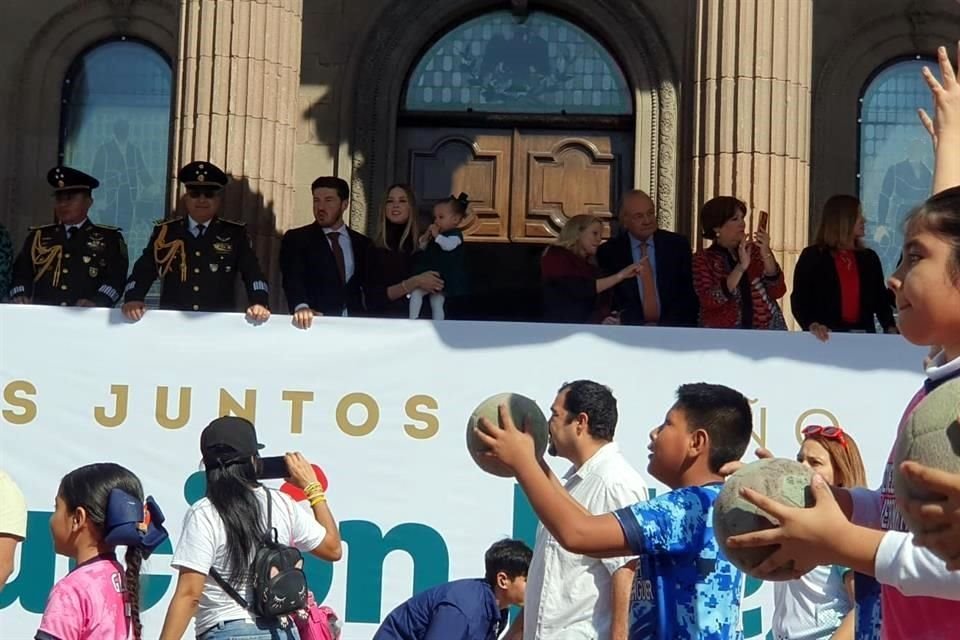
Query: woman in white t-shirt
[[819, 605], [221, 531]]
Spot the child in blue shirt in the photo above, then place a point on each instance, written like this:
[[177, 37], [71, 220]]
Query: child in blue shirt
[[471, 609], [685, 589]]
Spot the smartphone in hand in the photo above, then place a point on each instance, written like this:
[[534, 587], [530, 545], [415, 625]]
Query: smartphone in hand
[[273, 467], [764, 221]]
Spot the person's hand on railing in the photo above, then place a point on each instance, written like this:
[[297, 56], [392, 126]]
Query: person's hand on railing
[[821, 331]]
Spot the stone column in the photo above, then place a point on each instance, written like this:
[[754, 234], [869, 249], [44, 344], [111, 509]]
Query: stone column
[[238, 77], [752, 80]]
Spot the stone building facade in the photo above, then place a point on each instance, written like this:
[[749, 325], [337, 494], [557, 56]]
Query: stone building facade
[[769, 100]]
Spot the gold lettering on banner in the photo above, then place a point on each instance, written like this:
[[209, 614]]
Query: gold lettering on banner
[[373, 414], [183, 410], [230, 406], [833, 422], [762, 438], [431, 424], [14, 395], [122, 392], [296, 400]]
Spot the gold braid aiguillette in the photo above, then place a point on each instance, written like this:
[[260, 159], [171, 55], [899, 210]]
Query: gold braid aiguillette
[[165, 260]]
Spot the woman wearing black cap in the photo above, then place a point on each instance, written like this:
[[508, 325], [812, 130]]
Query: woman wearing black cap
[[221, 531]]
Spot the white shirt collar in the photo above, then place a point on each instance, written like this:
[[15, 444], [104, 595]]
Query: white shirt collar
[[193, 224], [601, 454], [337, 229], [77, 225], [940, 368]]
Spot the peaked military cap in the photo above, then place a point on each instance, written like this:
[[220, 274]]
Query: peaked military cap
[[202, 174], [66, 179]]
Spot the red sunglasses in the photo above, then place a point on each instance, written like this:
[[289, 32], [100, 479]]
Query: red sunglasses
[[831, 433]]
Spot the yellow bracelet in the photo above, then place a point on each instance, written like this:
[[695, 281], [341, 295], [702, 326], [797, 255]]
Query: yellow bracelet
[[310, 487], [317, 500], [313, 493]]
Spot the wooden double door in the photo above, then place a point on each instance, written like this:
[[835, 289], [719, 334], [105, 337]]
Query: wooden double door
[[524, 183]]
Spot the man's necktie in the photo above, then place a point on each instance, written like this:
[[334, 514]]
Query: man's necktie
[[334, 238], [651, 308]]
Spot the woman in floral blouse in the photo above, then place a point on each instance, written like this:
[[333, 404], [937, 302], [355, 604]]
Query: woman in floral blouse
[[737, 280]]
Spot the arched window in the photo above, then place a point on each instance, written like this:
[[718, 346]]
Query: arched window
[[896, 158], [115, 125], [496, 63], [527, 113]]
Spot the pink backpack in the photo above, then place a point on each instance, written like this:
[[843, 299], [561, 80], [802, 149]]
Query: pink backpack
[[316, 622]]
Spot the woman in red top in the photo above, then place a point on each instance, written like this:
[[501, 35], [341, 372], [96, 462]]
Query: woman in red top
[[838, 284], [573, 290], [738, 281]]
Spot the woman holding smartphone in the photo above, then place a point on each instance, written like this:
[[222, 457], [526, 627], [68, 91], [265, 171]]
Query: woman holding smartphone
[[221, 533], [838, 283], [737, 278]]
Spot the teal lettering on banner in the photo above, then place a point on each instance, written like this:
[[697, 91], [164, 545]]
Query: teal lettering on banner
[[367, 549], [32, 586]]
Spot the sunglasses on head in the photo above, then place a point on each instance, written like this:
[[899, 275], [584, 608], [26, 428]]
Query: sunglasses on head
[[203, 193], [830, 433]]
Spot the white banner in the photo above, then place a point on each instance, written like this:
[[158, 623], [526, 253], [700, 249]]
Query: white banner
[[382, 407]]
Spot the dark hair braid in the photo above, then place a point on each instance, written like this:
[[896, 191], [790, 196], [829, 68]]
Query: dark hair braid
[[134, 559]]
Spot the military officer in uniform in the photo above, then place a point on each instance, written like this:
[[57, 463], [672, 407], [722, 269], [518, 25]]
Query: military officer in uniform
[[198, 256], [72, 262]]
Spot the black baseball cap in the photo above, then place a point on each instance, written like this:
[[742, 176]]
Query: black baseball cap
[[228, 439]]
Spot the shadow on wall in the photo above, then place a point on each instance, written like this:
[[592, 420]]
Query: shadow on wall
[[262, 228]]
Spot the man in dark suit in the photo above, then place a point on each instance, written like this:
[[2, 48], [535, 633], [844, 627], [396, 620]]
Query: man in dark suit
[[198, 256], [663, 292], [73, 262], [323, 263]]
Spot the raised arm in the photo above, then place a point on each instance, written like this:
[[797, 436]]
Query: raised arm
[[574, 528], [944, 127]]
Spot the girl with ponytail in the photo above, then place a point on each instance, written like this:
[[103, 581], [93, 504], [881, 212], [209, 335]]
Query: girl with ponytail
[[98, 508]]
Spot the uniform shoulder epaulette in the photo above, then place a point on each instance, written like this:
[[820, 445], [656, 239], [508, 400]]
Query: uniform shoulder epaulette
[[237, 223], [43, 226], [164, 221], [107, 227]]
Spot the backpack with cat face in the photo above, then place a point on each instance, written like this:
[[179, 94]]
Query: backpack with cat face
[[278, 582]]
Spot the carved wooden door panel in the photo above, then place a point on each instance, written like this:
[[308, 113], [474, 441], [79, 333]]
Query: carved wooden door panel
[[524, 184], [439, 163], [557, 175]]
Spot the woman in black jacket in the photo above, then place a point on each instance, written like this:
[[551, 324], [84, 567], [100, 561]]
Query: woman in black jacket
[[838, 284], [390, 261]]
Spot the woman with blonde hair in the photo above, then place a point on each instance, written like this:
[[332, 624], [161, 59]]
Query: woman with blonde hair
[[390, 262], [573, 290], [838, 283], [820, 605]]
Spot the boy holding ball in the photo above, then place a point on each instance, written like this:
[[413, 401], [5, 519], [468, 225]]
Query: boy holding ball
[[685, 589]]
